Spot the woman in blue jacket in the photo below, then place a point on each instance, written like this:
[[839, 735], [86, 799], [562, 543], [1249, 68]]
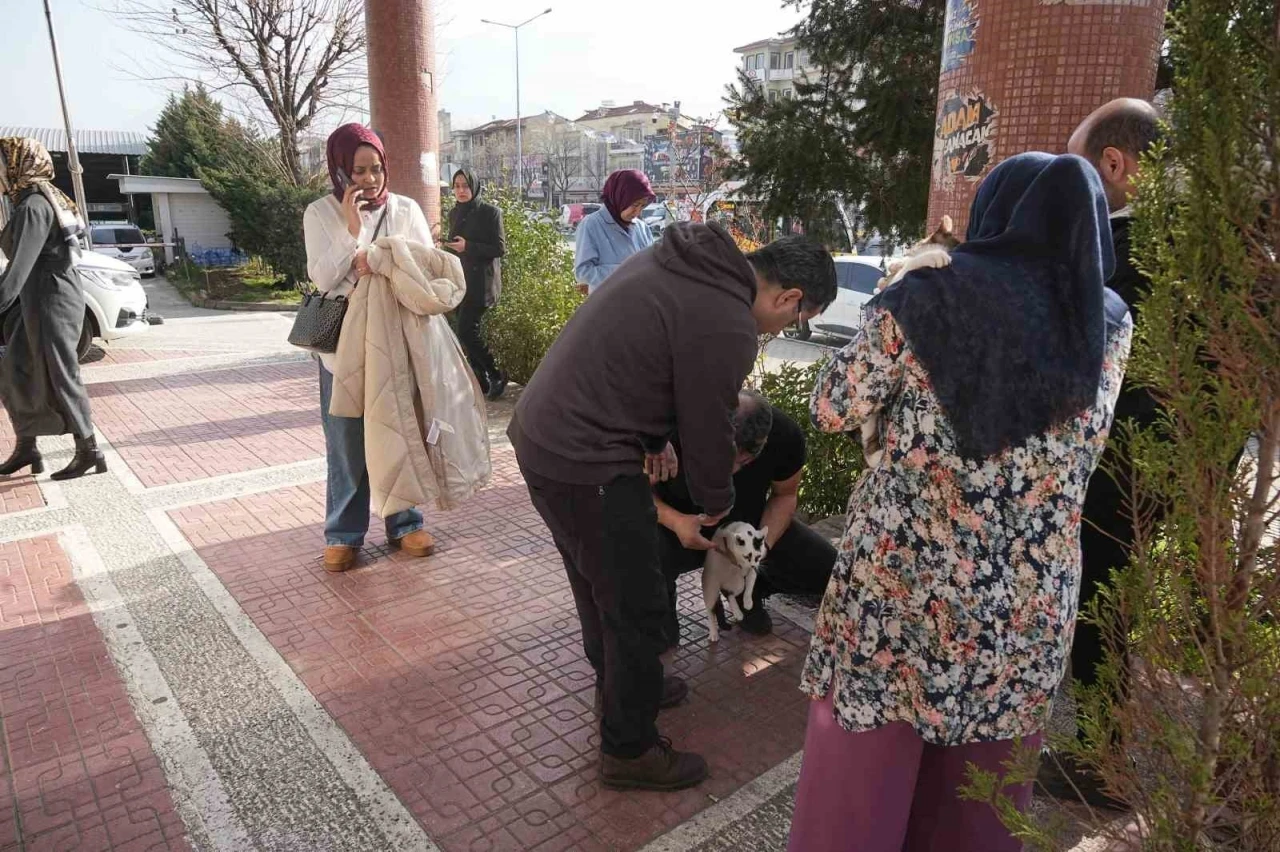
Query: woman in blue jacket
[[611, 235]]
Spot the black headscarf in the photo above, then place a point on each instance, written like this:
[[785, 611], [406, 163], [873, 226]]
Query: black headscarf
[[1012, 333], [461, 212]]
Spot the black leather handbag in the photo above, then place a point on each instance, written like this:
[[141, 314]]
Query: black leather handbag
[[318, 323]]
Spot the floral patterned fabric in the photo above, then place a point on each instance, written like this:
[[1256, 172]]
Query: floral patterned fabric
[[953, 601]]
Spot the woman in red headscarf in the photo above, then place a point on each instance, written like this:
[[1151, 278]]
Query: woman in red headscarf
[[611, 235], [339, 229]]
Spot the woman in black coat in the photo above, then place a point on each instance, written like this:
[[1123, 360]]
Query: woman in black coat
[[477, 237], [40, 382]]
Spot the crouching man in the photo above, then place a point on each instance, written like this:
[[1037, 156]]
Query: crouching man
[[766, 482]]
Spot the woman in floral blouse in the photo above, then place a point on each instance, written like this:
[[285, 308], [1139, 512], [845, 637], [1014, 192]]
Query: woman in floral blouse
[[945, 628]]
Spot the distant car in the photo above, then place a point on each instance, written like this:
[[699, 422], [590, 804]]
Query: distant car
[[115, 303], [657, 217], [124, 242], [856, 279], [572, 214]]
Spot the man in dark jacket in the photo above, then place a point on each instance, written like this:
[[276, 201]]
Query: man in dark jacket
[[1114, 138], [659, 354]]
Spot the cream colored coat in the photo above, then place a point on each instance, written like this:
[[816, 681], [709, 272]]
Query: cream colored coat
[[400, 367]]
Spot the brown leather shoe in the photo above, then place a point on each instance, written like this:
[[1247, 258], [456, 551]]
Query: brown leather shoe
[[417, 543], [660, 768], [339, 558]]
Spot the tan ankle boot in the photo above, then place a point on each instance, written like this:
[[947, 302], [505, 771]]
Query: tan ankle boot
[[417, 543], [339, 558]]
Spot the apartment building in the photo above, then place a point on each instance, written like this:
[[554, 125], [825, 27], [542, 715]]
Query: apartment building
[[774, 65]]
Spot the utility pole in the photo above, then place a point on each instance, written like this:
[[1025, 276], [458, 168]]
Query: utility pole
[[519, 136], [402, 96], [73, 156]]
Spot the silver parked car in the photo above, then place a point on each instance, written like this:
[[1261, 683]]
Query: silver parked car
[[124, 242], [856, 279]]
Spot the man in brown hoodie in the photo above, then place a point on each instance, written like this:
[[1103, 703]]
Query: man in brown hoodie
[[660, 351]]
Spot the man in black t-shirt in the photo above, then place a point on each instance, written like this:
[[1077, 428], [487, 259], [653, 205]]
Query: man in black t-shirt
[[766, 482]]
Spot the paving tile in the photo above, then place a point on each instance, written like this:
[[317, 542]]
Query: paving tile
[[18, 493], [461, 676], [76, 764], [193, 426]]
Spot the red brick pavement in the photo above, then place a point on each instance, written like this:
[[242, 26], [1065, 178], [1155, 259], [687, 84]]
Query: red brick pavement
[[461, 676], [76, 770], [188, 427], [17, 493]]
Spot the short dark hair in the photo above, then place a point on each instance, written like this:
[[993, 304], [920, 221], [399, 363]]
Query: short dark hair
[[1133, 130], [752, 422], [798, 263]]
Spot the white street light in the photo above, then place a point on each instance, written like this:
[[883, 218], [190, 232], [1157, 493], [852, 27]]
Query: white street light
[[519, 137]]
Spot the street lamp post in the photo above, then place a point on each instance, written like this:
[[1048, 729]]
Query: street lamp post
[[519, 137], [73, 156]]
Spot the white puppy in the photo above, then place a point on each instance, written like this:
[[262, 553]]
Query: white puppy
[[731, 568]]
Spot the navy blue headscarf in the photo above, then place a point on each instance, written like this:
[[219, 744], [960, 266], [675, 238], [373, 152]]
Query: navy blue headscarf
[[1012, 333]]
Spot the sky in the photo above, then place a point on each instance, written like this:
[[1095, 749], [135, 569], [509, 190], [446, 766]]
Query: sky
[[583, 53]]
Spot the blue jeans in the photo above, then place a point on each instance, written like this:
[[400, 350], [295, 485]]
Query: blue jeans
[[346, 514]]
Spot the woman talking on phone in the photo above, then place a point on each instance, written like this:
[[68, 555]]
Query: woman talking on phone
[[477, 237], [339, 229]]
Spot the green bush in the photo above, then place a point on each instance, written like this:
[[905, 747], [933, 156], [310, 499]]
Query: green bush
[[834, 461], [266, 215], [538, 290]]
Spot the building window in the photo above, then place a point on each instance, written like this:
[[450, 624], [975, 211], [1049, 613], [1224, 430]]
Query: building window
[[759, 61], [789, 94], [773, 97], [804, 59], [775, 61], [790, 61]]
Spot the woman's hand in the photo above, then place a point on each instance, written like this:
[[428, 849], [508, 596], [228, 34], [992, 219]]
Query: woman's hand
[[351, 210], [457, 244], [436, 233], [361, 263]]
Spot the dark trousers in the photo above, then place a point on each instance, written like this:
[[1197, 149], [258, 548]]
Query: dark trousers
[[470, 312], [606, 537], [800, 563]]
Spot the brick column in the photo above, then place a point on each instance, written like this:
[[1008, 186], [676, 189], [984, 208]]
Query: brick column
[[402, 96], [1019, 75]]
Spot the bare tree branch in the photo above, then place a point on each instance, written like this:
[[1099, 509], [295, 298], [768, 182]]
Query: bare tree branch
[[295, 58]]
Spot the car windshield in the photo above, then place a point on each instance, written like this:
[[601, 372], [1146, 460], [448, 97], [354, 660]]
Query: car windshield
[[858, 277], [117, 236]]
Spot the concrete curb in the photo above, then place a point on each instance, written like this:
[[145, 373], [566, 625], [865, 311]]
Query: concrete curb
[[244, 307]]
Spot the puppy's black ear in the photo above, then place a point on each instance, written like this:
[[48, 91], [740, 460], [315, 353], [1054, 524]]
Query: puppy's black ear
[[759, 542]]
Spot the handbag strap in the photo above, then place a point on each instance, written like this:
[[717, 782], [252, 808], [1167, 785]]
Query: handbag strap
[[378, 229]]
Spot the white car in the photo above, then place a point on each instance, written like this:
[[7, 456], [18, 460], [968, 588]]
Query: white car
[[124, 242], [657, 217], [856, 279], [115, 303]]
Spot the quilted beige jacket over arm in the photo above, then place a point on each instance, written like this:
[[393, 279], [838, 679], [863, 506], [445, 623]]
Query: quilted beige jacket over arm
[[400, 367]]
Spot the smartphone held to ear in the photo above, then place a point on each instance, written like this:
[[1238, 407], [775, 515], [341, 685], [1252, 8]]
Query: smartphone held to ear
[[346, 182]]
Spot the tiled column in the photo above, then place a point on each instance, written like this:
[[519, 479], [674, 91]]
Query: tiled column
[[1019, 75], [402, 95]]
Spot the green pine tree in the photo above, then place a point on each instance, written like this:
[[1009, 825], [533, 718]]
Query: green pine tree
[[193, 133], [859, 132]]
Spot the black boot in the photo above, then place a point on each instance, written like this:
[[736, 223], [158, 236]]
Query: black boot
[[88, 457], [25, 454]]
